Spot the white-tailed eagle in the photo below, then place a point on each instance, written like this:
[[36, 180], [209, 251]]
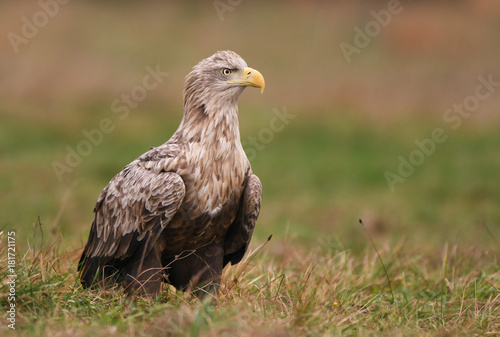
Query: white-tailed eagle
[[185, 209]]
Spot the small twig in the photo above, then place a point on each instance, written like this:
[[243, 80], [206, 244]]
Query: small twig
[[63, 204], [382, 262], [253, 255], [498, 290], [282, 277], [483, 222], [38, 223]]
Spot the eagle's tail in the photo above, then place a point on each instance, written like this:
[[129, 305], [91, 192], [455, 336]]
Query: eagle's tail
[[89, 270], [98, 271]]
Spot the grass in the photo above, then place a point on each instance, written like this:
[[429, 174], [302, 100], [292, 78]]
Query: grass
[[281, 289], [319, 276]]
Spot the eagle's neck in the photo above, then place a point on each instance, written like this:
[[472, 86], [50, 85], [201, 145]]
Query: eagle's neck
[[210, 124], [215, 163]]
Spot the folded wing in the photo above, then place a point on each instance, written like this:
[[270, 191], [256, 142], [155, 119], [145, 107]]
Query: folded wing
[[130, 214], [240, 233]]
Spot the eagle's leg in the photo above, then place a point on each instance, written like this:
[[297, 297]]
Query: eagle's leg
[[207, 279], [144, 274], [199, 271]]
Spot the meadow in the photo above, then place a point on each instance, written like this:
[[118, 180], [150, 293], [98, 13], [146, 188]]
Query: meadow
[[312, 269]]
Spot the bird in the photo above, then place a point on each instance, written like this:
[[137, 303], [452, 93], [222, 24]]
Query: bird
[[182, 211]]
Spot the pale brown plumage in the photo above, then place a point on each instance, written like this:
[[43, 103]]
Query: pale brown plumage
[[183, 210]]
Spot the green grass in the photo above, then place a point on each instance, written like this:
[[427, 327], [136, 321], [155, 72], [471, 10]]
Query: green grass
[[319, 275], [279, 289]]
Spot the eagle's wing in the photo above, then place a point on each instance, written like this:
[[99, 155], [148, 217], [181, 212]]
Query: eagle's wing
[[130, 214], [239, 234]]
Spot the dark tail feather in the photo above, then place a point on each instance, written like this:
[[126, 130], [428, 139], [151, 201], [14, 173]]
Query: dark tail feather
[[89, 271], [94, 270], [98, 271]]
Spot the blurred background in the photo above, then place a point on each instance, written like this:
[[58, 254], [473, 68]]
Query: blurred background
[[359, 82]]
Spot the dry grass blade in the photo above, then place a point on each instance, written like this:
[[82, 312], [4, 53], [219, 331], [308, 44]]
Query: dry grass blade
[[380, 259]]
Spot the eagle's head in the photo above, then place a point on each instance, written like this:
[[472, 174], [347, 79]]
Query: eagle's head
[[219, 80]]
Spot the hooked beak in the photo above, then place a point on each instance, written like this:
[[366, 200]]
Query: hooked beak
[[252, 78]]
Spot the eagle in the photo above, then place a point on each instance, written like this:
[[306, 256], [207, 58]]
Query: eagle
[[185, 209]]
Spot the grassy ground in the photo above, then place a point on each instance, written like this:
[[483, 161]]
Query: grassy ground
[[437, 232], [278, 290], [319, 275]]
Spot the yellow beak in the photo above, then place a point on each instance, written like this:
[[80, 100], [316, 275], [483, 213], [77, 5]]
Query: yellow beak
[[251, 77]]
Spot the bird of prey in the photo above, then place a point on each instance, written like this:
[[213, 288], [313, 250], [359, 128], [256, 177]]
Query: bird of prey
[[185, 209]]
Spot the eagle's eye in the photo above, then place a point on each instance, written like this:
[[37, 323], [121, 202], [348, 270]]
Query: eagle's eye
[[226, 72]]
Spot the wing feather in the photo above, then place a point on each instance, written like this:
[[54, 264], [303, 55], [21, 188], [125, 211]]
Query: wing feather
[[240, 233], [133, 209], [141, 202]]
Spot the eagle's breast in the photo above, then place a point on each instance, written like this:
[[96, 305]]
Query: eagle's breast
[[214, 175], [217, 176]]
